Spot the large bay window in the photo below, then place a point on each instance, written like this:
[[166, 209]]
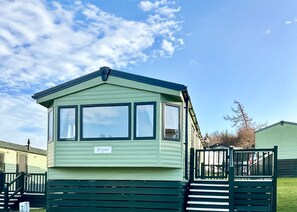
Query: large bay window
[[67, 123], [50, 125], [145, 120], [171, 122], [105, 122]]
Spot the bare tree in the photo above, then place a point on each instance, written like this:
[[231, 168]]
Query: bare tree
[[245, 126], [240, 118]]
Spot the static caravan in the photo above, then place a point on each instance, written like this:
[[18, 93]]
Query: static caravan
[[284, 135], [16, 158], [118, 142]]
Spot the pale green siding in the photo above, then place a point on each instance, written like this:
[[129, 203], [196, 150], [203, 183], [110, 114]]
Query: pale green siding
[[124, 154], [284, 136], [50, 154], [171, 154], [166, 174], [107, 93]]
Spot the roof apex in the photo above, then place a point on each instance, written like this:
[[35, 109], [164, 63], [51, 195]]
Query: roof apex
[[104, 72], [277, 123]]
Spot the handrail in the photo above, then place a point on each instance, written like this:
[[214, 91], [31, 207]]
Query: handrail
[[253, 150], [19, 176], [19, 180]]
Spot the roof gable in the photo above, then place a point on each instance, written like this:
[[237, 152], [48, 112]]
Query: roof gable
[[103, 73], [281, 123]]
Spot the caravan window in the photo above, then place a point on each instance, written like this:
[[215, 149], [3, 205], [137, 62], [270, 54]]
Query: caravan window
[[105, 122], [171, 122], [145, 120], [50, 126], [67, 123]]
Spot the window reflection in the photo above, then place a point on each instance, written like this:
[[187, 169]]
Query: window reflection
[[105, 121], [145, 120], [171, 122], [67, 121]]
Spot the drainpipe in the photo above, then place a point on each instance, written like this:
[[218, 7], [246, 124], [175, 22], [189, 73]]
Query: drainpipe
[[186, 135]]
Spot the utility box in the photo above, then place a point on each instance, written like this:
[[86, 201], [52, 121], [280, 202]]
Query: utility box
[[24, 206]]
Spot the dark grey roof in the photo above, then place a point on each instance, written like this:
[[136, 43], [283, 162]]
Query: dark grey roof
[[115, 73], [278, 123], [23, 148]]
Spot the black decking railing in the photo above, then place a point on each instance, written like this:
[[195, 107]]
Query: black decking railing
[[251, 173], [13, 184], [35, 183], [253, 162], [211, 163], [16, 186]]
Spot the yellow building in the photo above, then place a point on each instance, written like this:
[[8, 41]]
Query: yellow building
[[22, 158]]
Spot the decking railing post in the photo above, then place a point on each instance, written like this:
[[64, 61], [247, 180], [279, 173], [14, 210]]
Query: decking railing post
[[2, 181], [275, 173], [45, 191], [192, 164], [22, 183], [6, 200], [231, 180]]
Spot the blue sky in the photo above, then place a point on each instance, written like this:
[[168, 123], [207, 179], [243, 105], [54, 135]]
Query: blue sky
[[222, 50]]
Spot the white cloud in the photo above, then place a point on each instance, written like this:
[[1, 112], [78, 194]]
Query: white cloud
[[268, 31], [167, 47], [288, 22], [39, 41], [22, 118], [291, 21], [148, 5], [43, 43]]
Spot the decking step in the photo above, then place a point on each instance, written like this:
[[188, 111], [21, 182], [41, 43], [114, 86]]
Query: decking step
[[205, 184], [207, 203], [208, 196], [207, 209], [207, 190]]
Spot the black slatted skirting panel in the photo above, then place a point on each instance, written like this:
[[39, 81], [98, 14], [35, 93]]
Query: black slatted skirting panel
[[287, 168], [105, 195], [36, 200], [253, 195]]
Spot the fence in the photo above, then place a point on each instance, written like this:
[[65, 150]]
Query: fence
[[251, 173], [26, 185]]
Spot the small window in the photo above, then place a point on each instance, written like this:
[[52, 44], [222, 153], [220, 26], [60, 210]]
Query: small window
[[50, 130], [67, 125], [2, 163], [105, 122], [171, 122], [145, 120]]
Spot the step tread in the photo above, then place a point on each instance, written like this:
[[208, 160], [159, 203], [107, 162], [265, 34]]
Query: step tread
[[208, 203], [208, 196], [206, 190], [206, 209], [206, 184]]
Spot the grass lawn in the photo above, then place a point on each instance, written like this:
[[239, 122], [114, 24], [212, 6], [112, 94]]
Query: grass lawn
[[287, 194]]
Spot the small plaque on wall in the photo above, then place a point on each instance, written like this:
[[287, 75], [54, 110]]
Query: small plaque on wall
[[102, 149]]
